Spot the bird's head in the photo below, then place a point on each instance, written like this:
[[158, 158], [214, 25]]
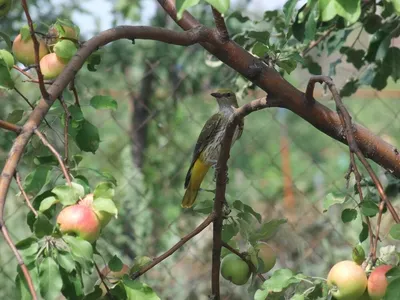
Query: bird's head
[[225, 98]]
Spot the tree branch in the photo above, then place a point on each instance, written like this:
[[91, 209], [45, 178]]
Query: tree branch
[[36, 47], [222, 173], [10, 126], [353, 147], [21, 188], [174, 248], [56, 154], [220, 24], [287, 96], [243, 257]]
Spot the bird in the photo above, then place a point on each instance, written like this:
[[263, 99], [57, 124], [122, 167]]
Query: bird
[[208, 145]]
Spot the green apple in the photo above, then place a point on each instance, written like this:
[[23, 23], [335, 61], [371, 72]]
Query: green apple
[[264, 252], [235, 269]]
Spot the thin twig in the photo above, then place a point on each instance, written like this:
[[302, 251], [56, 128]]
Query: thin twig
[[353, 146], [31, 105], [36, 46], [101, 276], [21, 263], [23, 71], [74, 91], [67, 117], [318, 41], [56, 154], [10, 126], [178, 245], [21, 188], [242, 256], [220, 24]]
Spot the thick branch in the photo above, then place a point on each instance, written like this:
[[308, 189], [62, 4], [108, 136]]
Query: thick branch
[[199, 33], [289, 97], [178, 245]]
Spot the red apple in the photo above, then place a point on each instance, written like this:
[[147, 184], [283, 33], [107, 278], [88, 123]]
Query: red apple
[[103, 216], [24, 50], [51, 66], [234, 269], [81, 221], [347, 280], [377, 282], [265, 253]]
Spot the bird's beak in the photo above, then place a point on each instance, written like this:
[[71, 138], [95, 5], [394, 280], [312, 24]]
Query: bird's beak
[[216, 95]]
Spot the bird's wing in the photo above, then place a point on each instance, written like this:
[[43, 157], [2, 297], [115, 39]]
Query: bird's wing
[[240, 128], [206, 134]]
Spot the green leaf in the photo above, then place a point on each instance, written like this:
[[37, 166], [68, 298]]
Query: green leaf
[[79, 247], [50, 279], [260, 49], [221, 5], [288, 10], [6, 39], [93, 60], [266, 231], [182, 5], [42, 226], [229, 231], [364, 233], [288, 65], [327, 10], [105, 204], [239, 205], [395, 232], [139, 262], [66, 261], [358, 254], [78, 189], [28, 248], [45, 160], [356, 57], [311, 24], [372, 23], [349, 215], [393, 289], [349, 88], [15, 116], [47, 203], [204, 207], [136, 290], [65, 194], [298, 297], [73, 284], [65, 49], [367, 76], [95, 294], [6, 81], [38, 178], [391, 62], [369, 208], [348, 9], [280, 280], [115, 264], [332, 199], [104, 190], [104, 102], [88, 138], [21, 284], [312, 66]]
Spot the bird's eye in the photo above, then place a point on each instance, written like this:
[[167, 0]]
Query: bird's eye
[[228, 94]]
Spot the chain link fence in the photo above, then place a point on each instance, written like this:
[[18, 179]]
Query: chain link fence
[[282, 167]]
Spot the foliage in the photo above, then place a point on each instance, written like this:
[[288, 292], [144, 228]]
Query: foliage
[[64, 264]]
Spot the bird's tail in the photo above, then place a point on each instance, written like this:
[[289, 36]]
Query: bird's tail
[[198, 172]]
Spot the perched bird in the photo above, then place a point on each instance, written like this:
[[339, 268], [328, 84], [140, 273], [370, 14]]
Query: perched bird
[[208, 146]]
